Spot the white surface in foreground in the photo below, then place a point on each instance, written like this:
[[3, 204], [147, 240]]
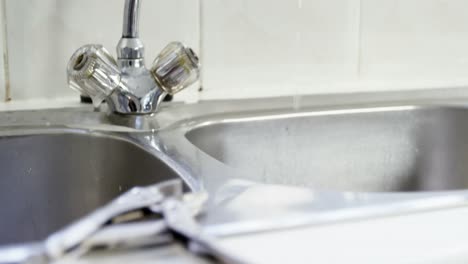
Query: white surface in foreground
[[431, 237]]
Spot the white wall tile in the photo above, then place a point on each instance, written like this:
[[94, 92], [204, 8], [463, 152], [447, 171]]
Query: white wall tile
[[42, 35], [268, 48], [253, 48], [423, 41]]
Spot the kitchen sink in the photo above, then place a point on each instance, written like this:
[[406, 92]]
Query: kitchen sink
[[367, 149], [49, 180], [265, 163]]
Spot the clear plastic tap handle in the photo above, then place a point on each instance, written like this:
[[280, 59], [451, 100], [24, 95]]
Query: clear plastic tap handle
[[176, 67], [92, 71]]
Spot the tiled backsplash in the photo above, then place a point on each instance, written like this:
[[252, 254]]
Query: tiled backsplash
[[253, 48], [414, 40], [281, 47], [43, 34]]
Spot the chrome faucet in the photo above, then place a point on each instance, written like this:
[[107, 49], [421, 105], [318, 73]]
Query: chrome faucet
[[126, 84]]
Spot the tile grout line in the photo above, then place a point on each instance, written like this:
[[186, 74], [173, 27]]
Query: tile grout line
[[6, 65], [359, 39]]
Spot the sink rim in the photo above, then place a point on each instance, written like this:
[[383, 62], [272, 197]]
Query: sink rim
[[307, 111]]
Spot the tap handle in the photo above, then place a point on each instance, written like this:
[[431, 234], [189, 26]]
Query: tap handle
[[92, 71], [176, 67]]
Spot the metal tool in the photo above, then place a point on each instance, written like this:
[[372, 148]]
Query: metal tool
[[181, 222], [69, 239], [141, 217]]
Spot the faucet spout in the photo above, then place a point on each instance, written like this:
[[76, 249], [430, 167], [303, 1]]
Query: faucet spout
[[130, 48], [131, 19]]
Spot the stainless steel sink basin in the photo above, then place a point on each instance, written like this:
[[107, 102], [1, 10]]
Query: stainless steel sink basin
[[49, 180], [369, 149]]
